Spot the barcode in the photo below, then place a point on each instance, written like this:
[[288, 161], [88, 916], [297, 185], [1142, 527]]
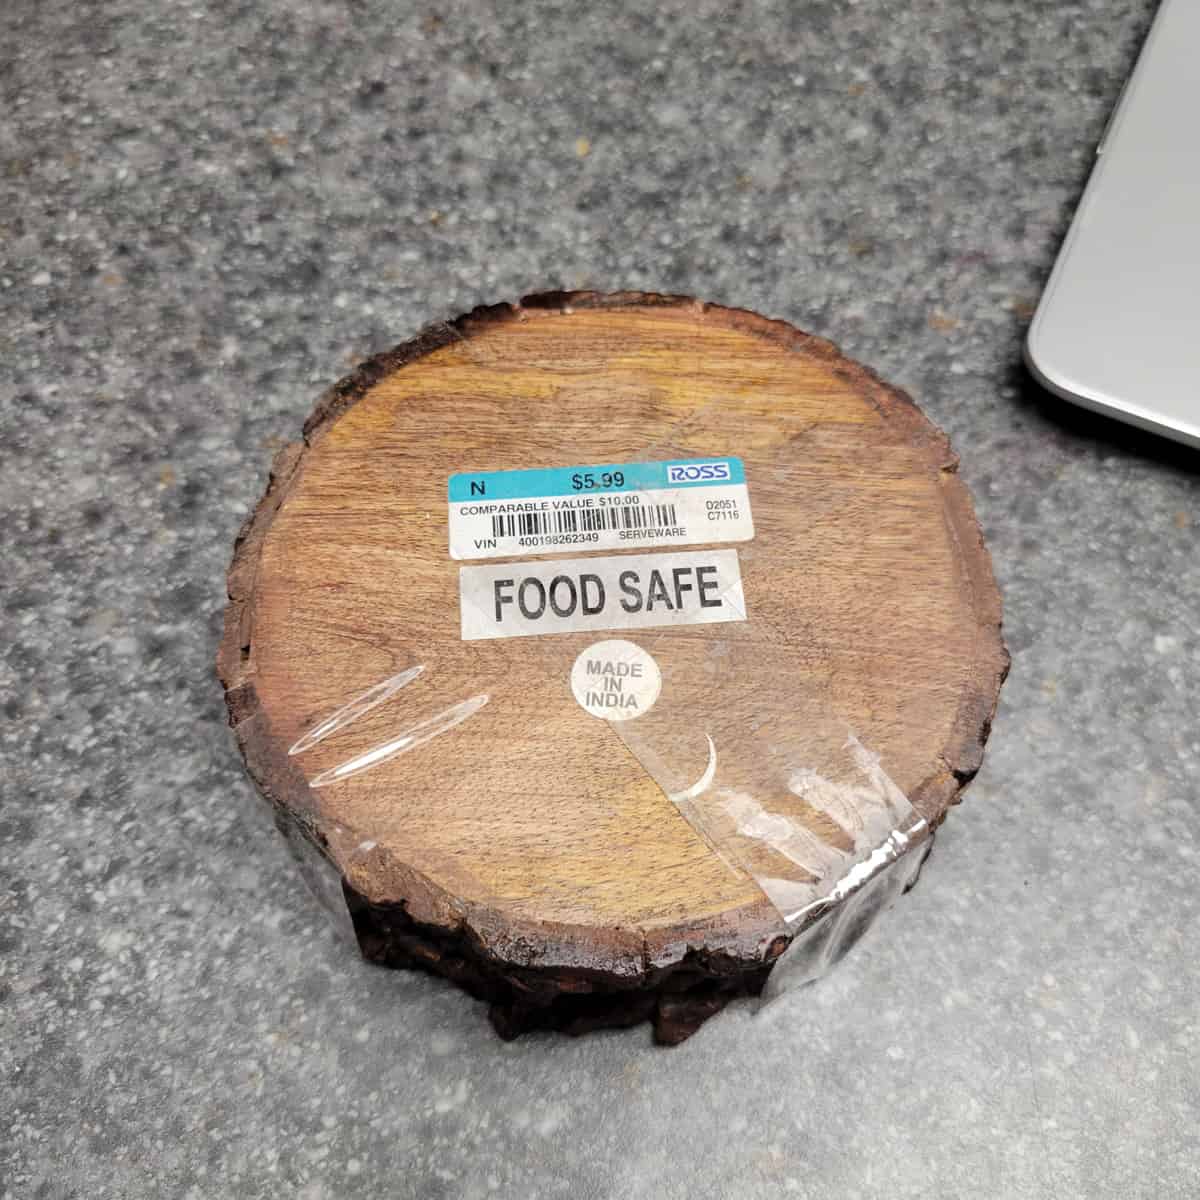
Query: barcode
[[583, 520]]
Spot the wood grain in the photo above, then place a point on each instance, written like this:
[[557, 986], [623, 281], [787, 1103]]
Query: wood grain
[[527, 853]]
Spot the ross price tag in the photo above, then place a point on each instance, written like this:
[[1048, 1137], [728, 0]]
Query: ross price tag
[[556, 510]]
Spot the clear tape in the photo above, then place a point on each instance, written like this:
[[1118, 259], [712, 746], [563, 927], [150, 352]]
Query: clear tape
[[416, 735], [803, 806], [359, 706], [320, 875], [814, 819], [834, 927]]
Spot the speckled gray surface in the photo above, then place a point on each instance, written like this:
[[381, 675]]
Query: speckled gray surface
[[208, 212]]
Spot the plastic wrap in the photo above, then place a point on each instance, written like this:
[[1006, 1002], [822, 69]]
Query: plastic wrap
[[779, 785]]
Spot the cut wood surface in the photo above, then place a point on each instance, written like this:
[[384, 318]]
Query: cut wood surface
[[518, 846]]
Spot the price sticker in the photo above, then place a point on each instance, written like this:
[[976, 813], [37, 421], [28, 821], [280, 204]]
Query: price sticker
[[557, 510]]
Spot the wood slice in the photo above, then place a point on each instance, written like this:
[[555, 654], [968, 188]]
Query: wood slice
[[525, 852]]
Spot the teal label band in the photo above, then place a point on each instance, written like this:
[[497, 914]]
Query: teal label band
[[592, 480]]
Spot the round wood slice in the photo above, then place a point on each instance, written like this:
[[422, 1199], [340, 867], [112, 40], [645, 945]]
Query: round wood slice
[[525, 852]]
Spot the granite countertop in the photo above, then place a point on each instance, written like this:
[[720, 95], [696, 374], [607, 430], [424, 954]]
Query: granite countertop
[[210, 211]]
